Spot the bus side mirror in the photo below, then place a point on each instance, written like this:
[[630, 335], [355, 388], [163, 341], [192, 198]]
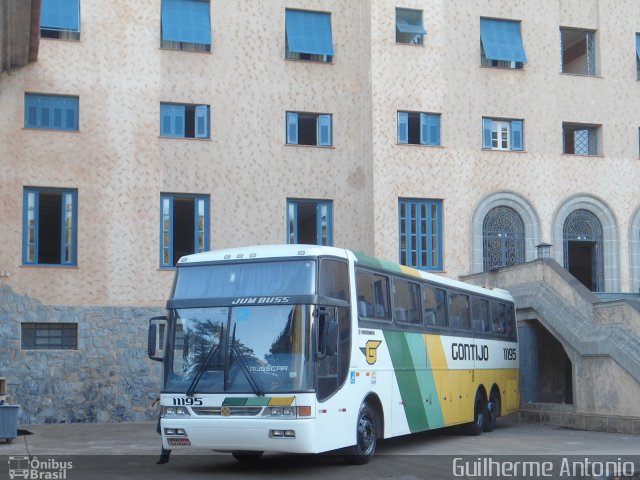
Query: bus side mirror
[[155, 345]]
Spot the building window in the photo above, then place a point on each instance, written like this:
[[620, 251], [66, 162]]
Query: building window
[[308, 36], [309, 129], [186, 25], [419, 128], [310, 222], [49, 336], [51, 112], [502, 134], [60, 19], [502, 238], [578, 51], [580, 139], [501, 44], [409, 28], [184, 121], [421, 233], [50, 227], [184, 226]]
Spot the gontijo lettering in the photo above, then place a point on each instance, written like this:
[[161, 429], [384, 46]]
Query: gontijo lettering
[[469, 351]]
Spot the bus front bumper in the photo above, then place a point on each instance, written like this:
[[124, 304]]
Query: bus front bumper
[[230, 434]]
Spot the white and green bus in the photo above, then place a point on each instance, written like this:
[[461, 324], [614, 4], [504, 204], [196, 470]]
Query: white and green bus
[[306, 349]]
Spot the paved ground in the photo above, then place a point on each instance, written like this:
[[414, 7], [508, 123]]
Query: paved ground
[[129, 450]]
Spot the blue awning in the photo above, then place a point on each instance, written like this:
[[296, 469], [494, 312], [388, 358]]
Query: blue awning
[[501, 40], [309, 32], [186, 21], [60, 15], [409, 21]]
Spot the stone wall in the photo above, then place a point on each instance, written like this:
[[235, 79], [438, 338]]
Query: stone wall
[[108, 378]]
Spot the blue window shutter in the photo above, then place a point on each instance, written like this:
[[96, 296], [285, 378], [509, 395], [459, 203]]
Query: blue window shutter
[[58, 109], [424, 129], [30, 111], [186, 21], [516, 135], [309, 32], [434, 129], [486, 133], [638, 45], [292, 222], [166, 120], [324, 218], [178, 120], [292, 128], [324, 130], [44, 112], [502, 40], [202, 121], [403, 127], [71, 114], [166, 230], [60, 15]]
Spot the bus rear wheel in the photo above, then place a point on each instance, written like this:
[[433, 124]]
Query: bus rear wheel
[[479, 416], [366, 437], [247, 457], [493, 407]]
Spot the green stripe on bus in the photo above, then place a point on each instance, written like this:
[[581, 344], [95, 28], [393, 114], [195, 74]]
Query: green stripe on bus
[[376, 262], [403, 367], [426, 380], [234, 401]]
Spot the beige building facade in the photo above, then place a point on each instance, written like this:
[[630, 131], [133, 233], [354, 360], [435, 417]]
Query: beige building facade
[[579, 83]]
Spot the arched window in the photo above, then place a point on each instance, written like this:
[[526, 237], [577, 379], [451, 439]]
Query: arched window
[[502, 238], [582, 238]]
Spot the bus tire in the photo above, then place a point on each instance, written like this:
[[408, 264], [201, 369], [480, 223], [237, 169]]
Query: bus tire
[[248, 456], [366, 437], [479, 416], [493, 408]]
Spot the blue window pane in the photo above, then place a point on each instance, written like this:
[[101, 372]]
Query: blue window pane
[[60, 15], [51, 111], [309, 32], [420, 228], [186, 21], [501, 40]]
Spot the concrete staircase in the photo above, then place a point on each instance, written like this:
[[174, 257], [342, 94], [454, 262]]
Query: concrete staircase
[[601, 338]]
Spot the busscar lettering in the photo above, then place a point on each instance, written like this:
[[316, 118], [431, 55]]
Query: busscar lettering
[[260, 300], [469, 351]]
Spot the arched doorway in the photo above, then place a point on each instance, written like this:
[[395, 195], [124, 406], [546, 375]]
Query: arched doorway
[[582, 242], [502, 238]]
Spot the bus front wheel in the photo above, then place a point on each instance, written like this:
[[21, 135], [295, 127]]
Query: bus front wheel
[[479, 416], [366, 437]]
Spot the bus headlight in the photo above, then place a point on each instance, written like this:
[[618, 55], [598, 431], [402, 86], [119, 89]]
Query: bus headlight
[[287, 412], [174, 411]]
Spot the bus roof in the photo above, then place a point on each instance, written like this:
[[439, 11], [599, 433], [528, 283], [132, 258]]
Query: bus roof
[[286, 250], [263, 251]]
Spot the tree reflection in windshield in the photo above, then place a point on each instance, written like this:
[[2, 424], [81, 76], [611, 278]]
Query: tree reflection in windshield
[[273, 342]]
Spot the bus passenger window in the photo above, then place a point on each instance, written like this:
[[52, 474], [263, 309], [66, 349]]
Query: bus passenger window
[[498, 317], [480, 315], [406, 301], [334, 279], [434, 306], [510, 322], [459, 311], [373, 296]]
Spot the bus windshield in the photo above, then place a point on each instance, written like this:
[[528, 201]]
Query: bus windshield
[[246, 349]]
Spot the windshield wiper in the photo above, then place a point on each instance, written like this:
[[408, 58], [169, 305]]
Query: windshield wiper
[[203, 368], [243, 365]]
